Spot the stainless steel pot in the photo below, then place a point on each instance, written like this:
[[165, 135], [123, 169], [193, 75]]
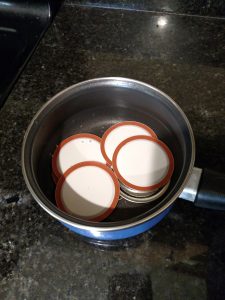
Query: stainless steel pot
[[93, 106]]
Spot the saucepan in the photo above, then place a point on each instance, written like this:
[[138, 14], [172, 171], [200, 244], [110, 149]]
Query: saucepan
[[93, 106]]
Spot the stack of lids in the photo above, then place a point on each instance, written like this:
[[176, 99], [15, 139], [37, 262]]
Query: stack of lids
[[91, 172]]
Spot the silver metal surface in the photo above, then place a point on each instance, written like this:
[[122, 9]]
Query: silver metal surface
[[145, 199], [136, 193], [48, 206], [190, 190]]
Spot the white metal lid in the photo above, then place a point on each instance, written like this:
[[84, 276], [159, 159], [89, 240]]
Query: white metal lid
[[89, 190], [143, 163], [118, 133], [75, 149]]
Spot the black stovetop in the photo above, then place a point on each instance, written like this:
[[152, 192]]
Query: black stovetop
[[183, 257], [22, 24]]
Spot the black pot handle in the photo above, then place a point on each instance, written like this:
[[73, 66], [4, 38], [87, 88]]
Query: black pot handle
[[206, 188], [211, 190]]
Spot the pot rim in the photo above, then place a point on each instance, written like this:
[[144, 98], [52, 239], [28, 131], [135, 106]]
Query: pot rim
[[75, 222]]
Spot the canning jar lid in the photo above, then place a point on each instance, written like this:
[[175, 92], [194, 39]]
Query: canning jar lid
[[143, 163], [75, 149], [118, 133], [88, 190]]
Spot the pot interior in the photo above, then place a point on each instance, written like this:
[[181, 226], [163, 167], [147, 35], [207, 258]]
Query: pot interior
[[92, 107]]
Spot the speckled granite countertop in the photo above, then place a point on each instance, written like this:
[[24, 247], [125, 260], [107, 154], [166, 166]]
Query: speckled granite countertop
[[184, 256]]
